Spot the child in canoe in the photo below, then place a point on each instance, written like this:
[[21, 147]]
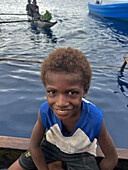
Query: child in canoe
[[36, 13], [68, 126], [29, 8], [33, 9]]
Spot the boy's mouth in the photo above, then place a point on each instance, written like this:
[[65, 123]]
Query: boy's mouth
[[62, 112]]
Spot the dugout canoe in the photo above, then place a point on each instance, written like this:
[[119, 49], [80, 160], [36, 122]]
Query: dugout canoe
[[118, 11], [12, 147], [42, 23]]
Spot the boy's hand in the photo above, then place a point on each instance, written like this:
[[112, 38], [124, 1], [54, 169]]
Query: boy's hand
[[57, 165]]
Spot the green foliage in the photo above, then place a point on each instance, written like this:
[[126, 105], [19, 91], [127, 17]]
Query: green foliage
[[47, 16]]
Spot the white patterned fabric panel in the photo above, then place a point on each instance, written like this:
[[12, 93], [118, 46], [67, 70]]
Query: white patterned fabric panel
[[77, 143]]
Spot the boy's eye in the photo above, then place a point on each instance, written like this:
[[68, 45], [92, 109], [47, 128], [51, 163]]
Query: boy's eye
[[73, 92], [51, 91]]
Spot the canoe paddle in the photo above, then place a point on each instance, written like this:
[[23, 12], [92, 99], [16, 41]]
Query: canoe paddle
[[125, 62]]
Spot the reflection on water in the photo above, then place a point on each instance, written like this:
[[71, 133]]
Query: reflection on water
[[104, 41], [123, 83], [117, 29], [47, 32]]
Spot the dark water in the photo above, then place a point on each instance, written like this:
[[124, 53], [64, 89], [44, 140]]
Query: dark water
[[104, 41]]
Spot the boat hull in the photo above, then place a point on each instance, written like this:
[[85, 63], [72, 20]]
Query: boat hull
[[45, 24], [41, 23], [118, 11], [11, 148]]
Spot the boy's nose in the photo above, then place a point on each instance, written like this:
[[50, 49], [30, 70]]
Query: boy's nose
[[62, 101]]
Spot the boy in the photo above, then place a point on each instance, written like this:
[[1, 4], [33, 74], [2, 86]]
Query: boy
[[73, 124]]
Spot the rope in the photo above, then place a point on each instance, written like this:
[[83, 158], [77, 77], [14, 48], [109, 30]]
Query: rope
[[2, 22], [106, 67], [21, 60], [11, 14], [28, 20], [37, 61]]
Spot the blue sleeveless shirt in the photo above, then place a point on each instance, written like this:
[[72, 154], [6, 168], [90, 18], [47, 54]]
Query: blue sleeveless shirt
[[85, 134]]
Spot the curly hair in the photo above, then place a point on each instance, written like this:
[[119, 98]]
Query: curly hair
[[68, 60]]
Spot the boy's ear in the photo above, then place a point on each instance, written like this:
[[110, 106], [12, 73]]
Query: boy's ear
[[85, 92]]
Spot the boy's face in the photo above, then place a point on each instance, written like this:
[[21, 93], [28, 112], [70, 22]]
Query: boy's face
[[64, 94]]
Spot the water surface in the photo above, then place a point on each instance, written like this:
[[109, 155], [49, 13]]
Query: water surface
[[104, 41]]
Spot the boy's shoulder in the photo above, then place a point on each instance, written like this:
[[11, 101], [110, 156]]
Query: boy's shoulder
[[44, 105], [92, 117], [91, 105], [91, 109]]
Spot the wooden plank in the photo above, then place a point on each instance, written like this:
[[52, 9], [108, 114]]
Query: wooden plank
[[122, 153], [22, 144], [12, 147], [14, 143]]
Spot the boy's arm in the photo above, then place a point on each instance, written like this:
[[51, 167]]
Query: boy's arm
[[34, 146], [107, 146]]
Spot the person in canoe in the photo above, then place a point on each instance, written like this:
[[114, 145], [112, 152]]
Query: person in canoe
[[98, 2], [68, 126], [36, 13], [29, 8]]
